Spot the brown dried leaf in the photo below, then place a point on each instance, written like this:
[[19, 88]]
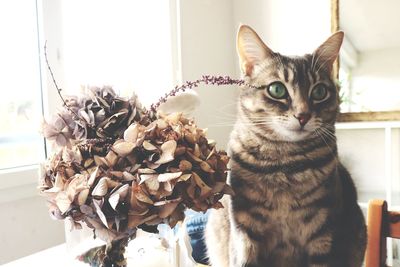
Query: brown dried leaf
[[206, 167], [63, 201], [213, 151], [128, 176], [180, 150], [139, 201], [88, 162], [165, 177], [149, 146], [101, 188], [85, 209], [185, 165], [151, 182], [161, 124], [94, 173], [100, 161], [190, 138], [167, 207], [205, 189], [131, 134], [111, 159], [118, 174], [102, 232], [117, 195], [100, 212], [76, 184], [185, 177], [168, 150], [168, 187], [197, 151], [82, 197], [146, 171], [193, 157], [111, 183], [124, 148]]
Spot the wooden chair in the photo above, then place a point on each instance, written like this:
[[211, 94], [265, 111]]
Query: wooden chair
[[381, 224]]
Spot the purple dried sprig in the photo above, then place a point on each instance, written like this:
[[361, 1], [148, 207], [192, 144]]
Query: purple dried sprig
[[205, 79]]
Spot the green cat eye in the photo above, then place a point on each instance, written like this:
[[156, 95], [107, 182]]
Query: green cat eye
[[319, 92], [277, 90]]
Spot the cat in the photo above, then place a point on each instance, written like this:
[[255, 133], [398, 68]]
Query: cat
[[294, 204]]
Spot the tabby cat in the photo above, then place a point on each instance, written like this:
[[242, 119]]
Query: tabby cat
[[295, 203]]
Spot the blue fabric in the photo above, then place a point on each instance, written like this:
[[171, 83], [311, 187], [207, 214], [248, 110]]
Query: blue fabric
[[195, 225]]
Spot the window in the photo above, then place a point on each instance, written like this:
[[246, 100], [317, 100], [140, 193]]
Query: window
[[88, 42], [97, 42], [20, 101]]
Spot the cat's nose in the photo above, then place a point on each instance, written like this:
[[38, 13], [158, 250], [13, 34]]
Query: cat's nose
[[303, 118]]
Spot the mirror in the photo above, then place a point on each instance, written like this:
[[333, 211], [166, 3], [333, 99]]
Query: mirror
[[369, 72]]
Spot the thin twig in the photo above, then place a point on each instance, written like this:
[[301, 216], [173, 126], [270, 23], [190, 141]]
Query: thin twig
[[77, 117]]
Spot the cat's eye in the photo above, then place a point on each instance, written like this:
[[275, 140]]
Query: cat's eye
[[277, 90], [319, 93]]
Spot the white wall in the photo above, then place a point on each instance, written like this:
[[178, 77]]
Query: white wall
[[362, 151], [208, 47], [288, 26], [26, 228], [208, 40], [374, 79]]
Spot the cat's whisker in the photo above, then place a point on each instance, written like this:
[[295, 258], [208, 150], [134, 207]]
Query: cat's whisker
[[328, 132], [320, 134], [326, 136], [222, 110], [240, 123]]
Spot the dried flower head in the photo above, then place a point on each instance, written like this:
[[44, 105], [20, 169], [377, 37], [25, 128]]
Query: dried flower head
[[118, 167]]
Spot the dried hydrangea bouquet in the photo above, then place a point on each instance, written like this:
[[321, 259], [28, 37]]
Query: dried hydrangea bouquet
[[118, 167]]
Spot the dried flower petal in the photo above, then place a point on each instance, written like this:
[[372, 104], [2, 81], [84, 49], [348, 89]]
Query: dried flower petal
[[131, 134], [205, 189], [117, 195], [101, 188], [100, 213], [168, 150], [63, 202], [82, 197], [167, 207], [148, 146], [124, 148], [185, 165], [164, 177]]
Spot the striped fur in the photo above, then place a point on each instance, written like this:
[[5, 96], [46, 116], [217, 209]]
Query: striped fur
[[294, 203]]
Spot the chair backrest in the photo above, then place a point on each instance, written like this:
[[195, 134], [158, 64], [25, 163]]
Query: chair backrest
[[381, 224]]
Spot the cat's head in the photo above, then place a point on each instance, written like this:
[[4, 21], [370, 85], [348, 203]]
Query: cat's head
[[295, 97]]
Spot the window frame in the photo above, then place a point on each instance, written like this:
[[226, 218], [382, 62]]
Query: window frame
[[21, 182]]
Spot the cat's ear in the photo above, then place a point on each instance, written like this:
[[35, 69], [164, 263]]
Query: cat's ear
[[251, 49], [328, 52]]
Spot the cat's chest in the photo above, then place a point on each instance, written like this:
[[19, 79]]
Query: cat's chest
[[275, 207]]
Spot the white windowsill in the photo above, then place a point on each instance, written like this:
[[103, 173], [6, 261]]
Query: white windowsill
[[18, 183], [367, 125], [55, 256]]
